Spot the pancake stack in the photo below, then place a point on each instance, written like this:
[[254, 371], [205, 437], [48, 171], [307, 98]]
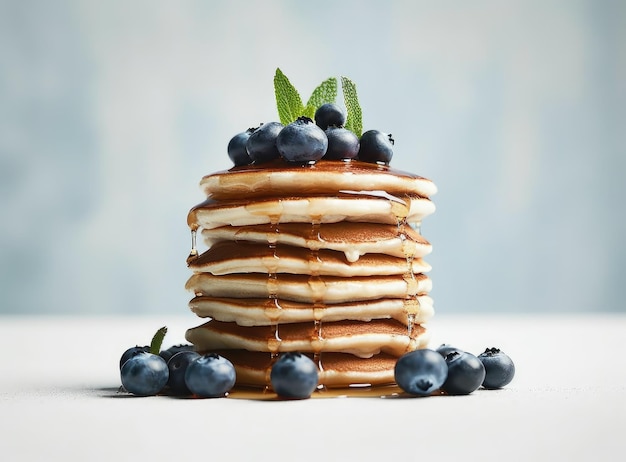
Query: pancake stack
[[323, 258]]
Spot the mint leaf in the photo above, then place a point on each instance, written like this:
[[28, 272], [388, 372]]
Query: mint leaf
[[326, 92], [157, 340], [288, 100], [354, 120]]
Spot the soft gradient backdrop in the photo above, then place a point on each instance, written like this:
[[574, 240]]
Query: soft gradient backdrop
[[110, 113]]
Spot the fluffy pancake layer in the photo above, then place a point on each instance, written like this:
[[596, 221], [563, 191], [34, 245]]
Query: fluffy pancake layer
[[353, 239], [308, 289], [335, 369], [362, 339], [320, 259], [228, 257], [272, 311], [357, 207], [327, 177]]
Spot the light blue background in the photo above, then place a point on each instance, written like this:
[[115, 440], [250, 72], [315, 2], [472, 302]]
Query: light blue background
[[110, 112]]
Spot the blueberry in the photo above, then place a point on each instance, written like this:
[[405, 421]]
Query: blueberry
[[446, 348], [342, 144], [421, 372], [144, 374], [210, 376], [261, 145], [376, 147], [465, 373], [171, 351], [499, 368], [329, 114], [133, 351], [302, 141], [294, 375], [177, 366], [237, 148]]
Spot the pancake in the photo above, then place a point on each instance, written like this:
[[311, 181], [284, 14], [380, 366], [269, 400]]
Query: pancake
[[335, 369], [270, 311], [353, 239], [327, 177], [362, 339], [353, 207], [308, 289], [228, 257]]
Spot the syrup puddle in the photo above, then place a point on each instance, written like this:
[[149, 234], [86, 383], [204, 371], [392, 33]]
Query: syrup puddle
[[382, 391]]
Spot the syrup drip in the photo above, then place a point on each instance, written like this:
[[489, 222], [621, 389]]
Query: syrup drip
[[417, 226], [273, 308], [411, 305], [273, 343], [194, 250], [272, 264], [268, 372], [315, 244]]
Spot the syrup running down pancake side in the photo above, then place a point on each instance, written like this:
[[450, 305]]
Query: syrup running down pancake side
[[323, 258]]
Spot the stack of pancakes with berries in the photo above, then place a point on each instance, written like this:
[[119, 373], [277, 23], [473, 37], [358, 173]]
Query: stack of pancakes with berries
[[313, 245]]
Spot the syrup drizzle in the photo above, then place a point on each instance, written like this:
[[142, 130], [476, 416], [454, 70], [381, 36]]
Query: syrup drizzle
[[273, 308], [194, 249], [411, 304]]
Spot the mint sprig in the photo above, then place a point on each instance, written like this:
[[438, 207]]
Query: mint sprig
[[326, 92], [288, 100], [354, 120], [157, 340], [290, 107]]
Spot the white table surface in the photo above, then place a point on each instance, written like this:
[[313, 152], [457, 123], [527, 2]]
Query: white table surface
[[59, 379]]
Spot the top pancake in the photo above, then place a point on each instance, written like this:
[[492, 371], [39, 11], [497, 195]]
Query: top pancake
[[280, 178]]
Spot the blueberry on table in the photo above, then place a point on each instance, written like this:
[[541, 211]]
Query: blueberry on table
[[294, 376], [421, 372], [376, 147], [342, 144], [237, 148], [133, 351], [446, 348], [465, 373], [329, 114], [144, 374], [177, 366], [302, 141], [261, 145], [171, 351], [499, 368], [210, 376]]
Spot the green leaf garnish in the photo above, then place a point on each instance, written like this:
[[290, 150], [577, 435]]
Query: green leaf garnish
[[288, 100], [354, 120], [326, 92], [157, 340]]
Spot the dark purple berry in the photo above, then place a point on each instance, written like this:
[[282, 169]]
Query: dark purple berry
[[465, 373], [294, 376], [302, 141], [133, 351], [261, 144], [376, 147], [329, 114], [421, 372], [210, 376], [499, 368], [446, 348], [145, 374], [177, 366], [342, 144], [171, 351], [237, 148]]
